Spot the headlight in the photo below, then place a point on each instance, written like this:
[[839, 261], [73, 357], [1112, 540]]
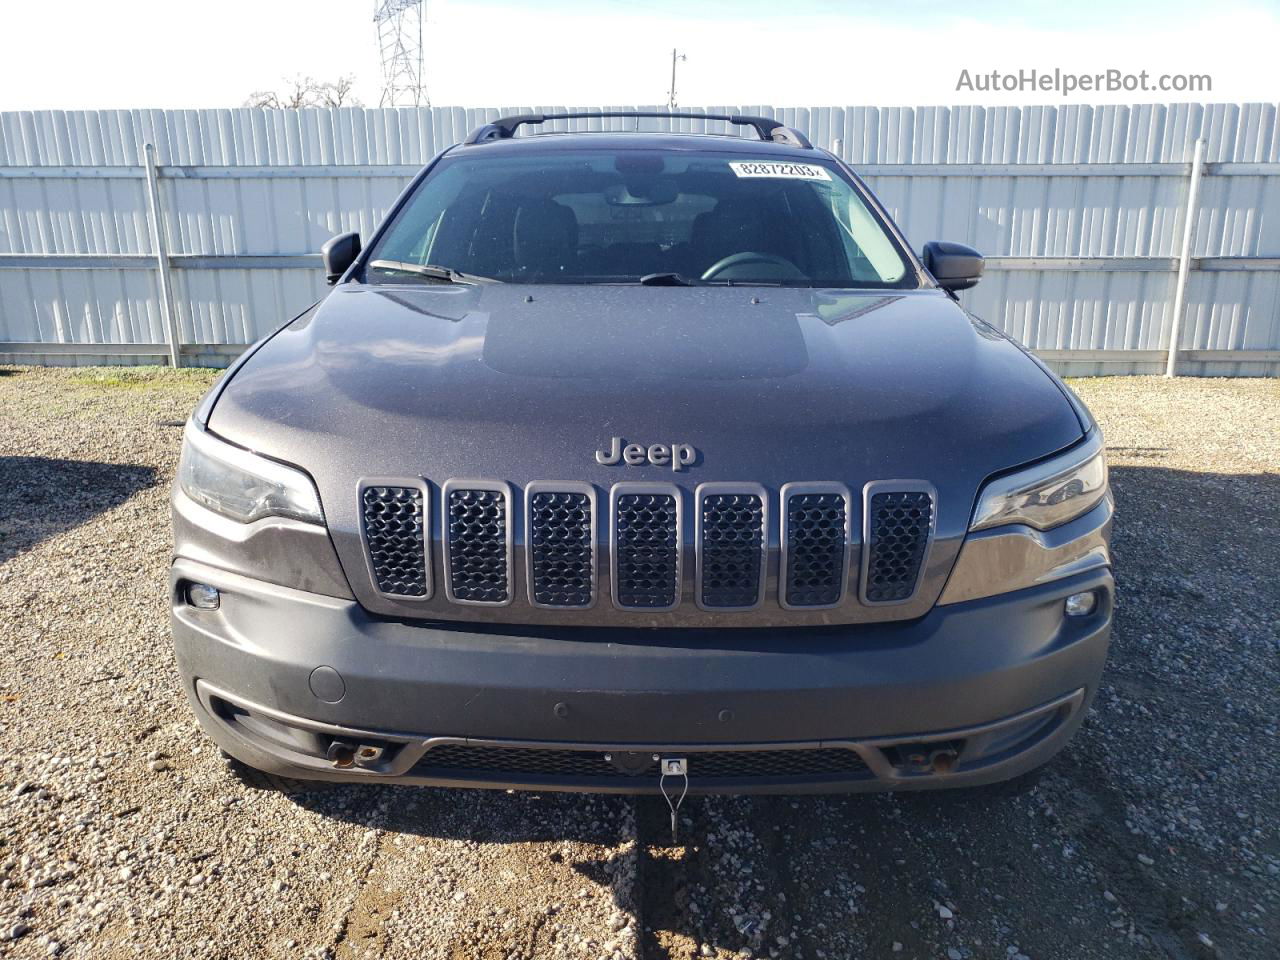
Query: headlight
[[242, 485], [1048, 494]]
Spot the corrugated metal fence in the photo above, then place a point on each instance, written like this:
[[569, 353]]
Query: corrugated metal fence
[[1080, 209]]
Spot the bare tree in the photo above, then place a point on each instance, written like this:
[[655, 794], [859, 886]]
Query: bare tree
[[303, 91], [263, 98], [337, 93], [299, 92]]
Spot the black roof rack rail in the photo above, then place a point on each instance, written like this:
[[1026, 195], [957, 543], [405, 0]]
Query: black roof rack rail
[[505, 127]]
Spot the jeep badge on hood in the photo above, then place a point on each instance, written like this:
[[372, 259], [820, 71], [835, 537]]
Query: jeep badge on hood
[[678, 455]]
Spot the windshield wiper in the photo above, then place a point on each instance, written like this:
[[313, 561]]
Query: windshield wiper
[[667, 280], [747, 283], [430, 271]]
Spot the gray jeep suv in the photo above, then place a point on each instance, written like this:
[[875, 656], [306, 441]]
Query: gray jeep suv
[[616, 456]]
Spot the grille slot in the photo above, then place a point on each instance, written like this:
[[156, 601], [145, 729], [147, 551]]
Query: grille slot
[[899, 527], [477, 541], [646, 542], [561, 543], [732, 525], [815, 544], [513, 763], [394, 520]]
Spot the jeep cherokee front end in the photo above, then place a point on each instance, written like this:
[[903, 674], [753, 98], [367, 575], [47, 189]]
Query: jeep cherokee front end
[[611, 448]]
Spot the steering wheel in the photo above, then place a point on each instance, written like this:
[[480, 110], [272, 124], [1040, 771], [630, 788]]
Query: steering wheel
[[753, 258]]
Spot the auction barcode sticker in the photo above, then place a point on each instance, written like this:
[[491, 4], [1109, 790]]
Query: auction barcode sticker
[[782, 171]]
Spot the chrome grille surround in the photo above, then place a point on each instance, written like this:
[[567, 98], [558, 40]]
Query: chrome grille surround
[[803, 549], [723, 546], [397, 548], [899, 518], [476, 530], [645, 547], [552, 567]]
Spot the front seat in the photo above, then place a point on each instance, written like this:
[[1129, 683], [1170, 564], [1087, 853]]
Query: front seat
[[545, 239], [728, 229]]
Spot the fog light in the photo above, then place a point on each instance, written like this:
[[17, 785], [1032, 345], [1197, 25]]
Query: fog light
[[203, 597], [1081, 604]]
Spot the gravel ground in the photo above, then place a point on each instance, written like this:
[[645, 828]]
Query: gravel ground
[[122, 834]]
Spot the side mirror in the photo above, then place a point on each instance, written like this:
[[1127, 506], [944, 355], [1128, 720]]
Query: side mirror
[[339, 253], [953, 265]]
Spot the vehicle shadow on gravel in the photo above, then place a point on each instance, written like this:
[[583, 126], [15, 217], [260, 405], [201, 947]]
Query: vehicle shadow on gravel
[[477, 816], [41, 497]]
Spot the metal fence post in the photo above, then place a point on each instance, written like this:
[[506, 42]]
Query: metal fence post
[[161, 249], [1184, 259]]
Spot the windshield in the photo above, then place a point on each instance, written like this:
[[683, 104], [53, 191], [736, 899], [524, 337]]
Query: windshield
[[605, 216]]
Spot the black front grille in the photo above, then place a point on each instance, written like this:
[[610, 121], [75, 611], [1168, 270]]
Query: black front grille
[[816, 534], [732, 549], [478, 545], [393, 531], [515, 763], [898, 538], [745, 764], [561, 551], [647, 557]]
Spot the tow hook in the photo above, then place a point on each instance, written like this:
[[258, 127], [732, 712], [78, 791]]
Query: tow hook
[[368, 754], [673, 767], [929, 757], [943, 761], [341, 754]]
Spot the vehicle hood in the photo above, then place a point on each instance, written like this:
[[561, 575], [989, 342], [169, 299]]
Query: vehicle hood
[[523, 383]]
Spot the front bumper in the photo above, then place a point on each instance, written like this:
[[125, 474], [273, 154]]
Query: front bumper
[[276, 676]]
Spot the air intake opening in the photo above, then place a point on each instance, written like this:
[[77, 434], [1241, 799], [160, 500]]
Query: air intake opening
[[539, 764]]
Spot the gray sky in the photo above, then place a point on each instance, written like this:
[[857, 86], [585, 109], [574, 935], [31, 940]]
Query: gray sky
[[81, 54]]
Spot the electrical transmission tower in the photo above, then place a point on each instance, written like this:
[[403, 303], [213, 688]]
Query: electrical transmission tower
[[399, 24]]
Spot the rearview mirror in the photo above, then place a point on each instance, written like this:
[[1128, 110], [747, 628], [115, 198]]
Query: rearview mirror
[[953, 265], [339, 253]]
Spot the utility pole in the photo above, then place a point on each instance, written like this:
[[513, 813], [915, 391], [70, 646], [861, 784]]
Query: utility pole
[[671, 96]]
